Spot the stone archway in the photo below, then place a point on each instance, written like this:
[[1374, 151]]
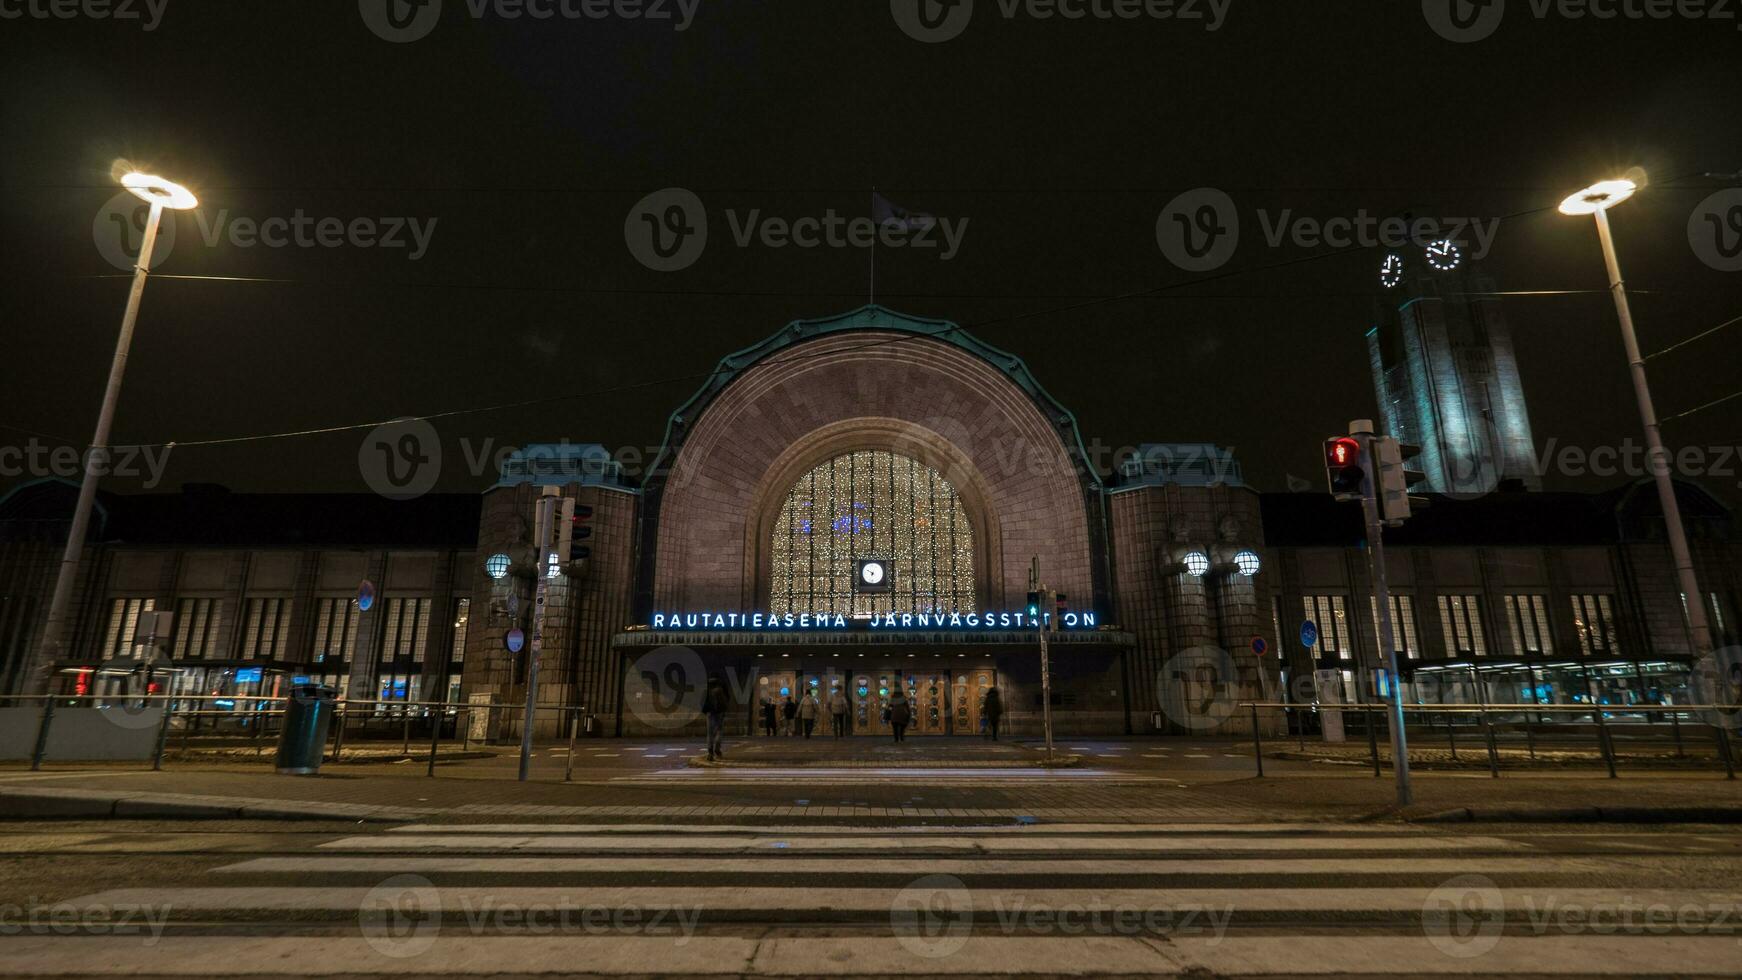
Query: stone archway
[[926, 398]]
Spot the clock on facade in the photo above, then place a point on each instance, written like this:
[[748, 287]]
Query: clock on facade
[[1445, 255], [873, 575], [1391, 271]]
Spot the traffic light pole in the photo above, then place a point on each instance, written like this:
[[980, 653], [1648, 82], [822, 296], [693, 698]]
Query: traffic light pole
[[1041, 601], [1382, 598], [547, 512]]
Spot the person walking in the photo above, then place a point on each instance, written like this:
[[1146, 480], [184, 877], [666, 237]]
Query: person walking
[[789, 715], [838, 711], [808, 710], [900, 713], [992, 710], [768, 719], [714, 705]]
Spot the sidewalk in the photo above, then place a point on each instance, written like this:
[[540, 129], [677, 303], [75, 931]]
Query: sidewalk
[[866, 753], [467, 794]]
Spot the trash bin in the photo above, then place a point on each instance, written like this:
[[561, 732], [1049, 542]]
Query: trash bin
[[303, 740]]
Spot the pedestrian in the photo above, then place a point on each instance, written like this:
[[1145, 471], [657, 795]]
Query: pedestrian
[[899, 715], [768, 720], [992, 711], [789, 715], [838, 711], [714, 705], [808, 710]]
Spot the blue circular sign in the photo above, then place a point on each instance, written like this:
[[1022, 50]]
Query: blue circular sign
[[365, 595], [1259, 646], [515, 640], [1309, 634]]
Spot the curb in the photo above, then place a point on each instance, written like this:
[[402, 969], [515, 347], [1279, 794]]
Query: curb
[[87, 804], [1587, 814]]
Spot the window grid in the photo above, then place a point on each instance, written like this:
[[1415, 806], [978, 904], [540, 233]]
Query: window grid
[[335, 630], [462, 613], [196, 628], [872, 504], [1461, 621], [123, 622], [1527, 615], [265, 628], [1594, 618], [1328, 613], [1402, 624]]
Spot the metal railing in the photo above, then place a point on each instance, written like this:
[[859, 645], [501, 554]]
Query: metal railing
[[241, 722], [1429, 720]]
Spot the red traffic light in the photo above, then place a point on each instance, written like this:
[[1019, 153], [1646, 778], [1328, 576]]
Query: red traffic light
[[1342, 452]]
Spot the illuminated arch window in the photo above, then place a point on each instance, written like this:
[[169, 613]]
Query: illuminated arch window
[[872, 505]]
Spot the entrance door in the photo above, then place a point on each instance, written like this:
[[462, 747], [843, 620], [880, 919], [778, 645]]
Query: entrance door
[[968, 694], [868, 694], [929, 694], [773, 687]]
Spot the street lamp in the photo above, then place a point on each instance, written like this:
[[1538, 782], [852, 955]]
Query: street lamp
[[160, 194], [1596, 200]]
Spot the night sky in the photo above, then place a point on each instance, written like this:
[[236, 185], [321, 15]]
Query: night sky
[[527, 142]]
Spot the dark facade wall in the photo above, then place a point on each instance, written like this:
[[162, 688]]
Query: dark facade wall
[[922, 398]]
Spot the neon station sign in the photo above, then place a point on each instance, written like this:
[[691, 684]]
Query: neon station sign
[[891, 621]]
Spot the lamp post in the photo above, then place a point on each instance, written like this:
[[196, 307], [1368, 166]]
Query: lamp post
[[160, 194], [1596, 200]]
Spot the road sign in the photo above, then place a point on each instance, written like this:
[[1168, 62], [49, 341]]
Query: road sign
[[515, 641], [1309, 634], [365, 595], [1259, 646]]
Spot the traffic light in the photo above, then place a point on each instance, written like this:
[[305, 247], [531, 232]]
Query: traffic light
[[1396, 477], [1345, 467], [1034, 605], [577, 526], [1059, 607]]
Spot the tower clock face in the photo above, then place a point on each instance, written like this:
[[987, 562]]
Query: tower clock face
[[1445, 255], [1391, 272]]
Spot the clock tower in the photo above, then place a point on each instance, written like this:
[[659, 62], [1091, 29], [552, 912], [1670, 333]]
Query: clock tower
[[1444, 371]]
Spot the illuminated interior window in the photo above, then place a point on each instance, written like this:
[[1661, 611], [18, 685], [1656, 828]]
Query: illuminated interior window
[[872, 505]]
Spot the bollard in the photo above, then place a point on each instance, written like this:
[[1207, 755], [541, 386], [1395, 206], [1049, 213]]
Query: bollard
[[1493, 749], [435, 740], [1603, 742], [405, 749], [1451, 736], [1529, 738], [1724, 751], [41, 748], [573, 726], [1372, 741], [162, 736], [1257, 743], [1675, 726]]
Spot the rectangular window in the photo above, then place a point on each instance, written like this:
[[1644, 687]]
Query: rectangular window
[[335, 630], [1328, 613], [462, 612], [266, 628], [196, 628], [405, 630], [1594, 618], [1527, 617], [1461, 619], [1402, 624], [123, 622]]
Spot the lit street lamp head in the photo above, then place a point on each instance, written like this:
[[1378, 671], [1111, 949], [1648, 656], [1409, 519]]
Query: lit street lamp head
[[1599, 197], [156, 190]]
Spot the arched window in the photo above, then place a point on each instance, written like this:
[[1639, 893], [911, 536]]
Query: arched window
[[872, 505]]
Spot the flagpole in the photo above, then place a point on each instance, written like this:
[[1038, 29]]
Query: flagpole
[[873, 245]]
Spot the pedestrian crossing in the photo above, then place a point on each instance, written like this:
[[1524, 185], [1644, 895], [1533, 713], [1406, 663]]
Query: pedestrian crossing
[[786, 900], [934, 776]]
